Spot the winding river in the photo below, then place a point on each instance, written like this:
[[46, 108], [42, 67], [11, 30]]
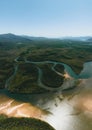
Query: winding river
[[68, 71], [70, 109]]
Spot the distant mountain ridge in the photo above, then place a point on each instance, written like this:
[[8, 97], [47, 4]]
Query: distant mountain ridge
[[34, 38], [90, 39], [13, 38], [81, 38]]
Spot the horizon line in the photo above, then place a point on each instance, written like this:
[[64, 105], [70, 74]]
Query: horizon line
[[63, 36]]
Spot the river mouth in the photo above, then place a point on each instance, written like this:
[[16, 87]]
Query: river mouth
[[67, 110]]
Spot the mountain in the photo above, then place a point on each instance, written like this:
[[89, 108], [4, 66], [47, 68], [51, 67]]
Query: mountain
[[12, 38], [35, 38], [81, 38], [89, 39]]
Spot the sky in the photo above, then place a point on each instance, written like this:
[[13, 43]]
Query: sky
[[48, 18]]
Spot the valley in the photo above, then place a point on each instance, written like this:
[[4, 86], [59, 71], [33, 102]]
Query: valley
[[47, 79]]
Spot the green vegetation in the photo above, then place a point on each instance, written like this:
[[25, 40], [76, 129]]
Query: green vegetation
[[25, 79], [23, 124], [73, 53], [6, 70], [59, 68], [49, 77]]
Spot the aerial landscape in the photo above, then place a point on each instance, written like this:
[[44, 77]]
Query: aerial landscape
[[46, 65]]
